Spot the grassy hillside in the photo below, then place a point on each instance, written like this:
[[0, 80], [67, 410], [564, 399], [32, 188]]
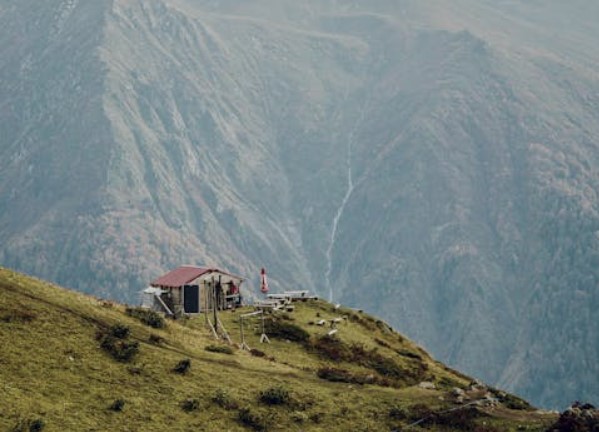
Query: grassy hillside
[[53, 371]]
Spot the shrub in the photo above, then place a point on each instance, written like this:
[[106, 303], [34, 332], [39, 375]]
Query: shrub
[[155, 339], [317, 417], [511, 401], [224, 400], [182, 367], [257, 353], [246, 417], [37, 425], [286, 331], [345, 376], [409, 354], [335, 375], [332, 348], [24, 425], [449, 383], [117, 405], [462, 419], [418, 411], [119, 331], [382, 343], [398, 413], [275, 396], [385, 366], [114, 343], [189, 405], [147, 316], [222, 349], [18, 316]]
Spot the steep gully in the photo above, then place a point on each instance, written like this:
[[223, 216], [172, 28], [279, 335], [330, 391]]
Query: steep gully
[[340, 210]]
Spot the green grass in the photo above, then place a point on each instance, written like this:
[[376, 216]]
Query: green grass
[[53, 369]]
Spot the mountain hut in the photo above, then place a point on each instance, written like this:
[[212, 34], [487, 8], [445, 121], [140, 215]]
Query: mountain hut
[[191, 290]]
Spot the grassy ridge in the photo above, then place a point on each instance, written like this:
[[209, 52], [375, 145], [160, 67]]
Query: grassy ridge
[[53, 369]]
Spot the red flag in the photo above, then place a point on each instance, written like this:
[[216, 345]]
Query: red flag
[[263, 282]]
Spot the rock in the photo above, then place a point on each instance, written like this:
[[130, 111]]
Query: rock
[[456, 391], [427, 385], [579, 417]]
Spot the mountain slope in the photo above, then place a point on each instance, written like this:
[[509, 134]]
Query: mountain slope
[[55, 371], [434, 163]]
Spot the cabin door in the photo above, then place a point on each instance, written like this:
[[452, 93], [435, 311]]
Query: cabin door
[[191, 298]]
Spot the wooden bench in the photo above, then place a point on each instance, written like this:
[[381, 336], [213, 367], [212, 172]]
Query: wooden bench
[[268, 304], [299, 295], [283, 298]]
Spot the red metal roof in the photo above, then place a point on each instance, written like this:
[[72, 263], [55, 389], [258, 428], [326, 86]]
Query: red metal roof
[[184, 275], [179, 276]]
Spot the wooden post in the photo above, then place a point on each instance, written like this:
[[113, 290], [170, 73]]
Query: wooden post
[[205, 295], [263, 337], [214, 306], [220, 294], [243, 345]]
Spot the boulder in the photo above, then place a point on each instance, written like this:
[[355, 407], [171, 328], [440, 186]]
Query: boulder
[[427, 385]]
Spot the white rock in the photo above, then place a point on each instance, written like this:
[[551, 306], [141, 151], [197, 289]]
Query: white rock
[[427, 385]]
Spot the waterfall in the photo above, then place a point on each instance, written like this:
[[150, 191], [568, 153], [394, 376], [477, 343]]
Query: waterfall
[[338, 214]]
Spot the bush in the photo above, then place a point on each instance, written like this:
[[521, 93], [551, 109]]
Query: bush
[[35, 425], [418, 411], [510, 401], [119, 331], [115, 343], [246, 417], [385, 366], [462, 419], [182, 367], [147, 316], [317, 417], [257, 353], [222, 349], [286, 331], [117, 405], [155, 339], [345, 376], [382, 343], [18, 316], [332, 348], [275, 396], [189, 405], [398, 413], [409, 354], [224, 400]]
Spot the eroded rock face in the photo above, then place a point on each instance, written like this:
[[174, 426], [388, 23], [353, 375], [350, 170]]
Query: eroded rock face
[[403, 157]]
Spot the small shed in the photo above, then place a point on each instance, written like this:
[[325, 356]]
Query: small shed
[[191, 290]]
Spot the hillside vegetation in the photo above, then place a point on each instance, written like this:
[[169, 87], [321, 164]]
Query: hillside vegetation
[[421, 159], [57, 374]]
